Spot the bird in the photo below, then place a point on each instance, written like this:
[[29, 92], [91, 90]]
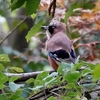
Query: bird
[[59, 47]]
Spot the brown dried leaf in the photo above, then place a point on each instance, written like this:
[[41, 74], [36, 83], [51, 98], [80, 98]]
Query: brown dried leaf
[[61, 3], [97, 6], [44, 5], [97, 18]]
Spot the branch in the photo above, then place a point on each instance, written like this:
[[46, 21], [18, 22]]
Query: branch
[[52, 5], [48, 92], [14, 29], [25, 76]]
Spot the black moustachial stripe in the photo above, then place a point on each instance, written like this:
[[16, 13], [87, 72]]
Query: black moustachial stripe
[[51, 29]]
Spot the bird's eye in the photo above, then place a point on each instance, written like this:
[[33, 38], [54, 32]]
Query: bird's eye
[[51, 29]]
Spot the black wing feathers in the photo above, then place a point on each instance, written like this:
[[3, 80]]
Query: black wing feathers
[[59, 55]]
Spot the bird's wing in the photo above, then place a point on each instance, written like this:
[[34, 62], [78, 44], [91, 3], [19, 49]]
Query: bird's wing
[[62, 55], [60, 48]]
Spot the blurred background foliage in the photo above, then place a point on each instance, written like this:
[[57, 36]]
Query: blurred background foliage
[[23, 40], [83, 25]]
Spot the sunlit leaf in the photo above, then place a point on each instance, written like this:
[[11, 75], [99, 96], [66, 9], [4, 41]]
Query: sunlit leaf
[[3, 78], [96, 73], [31, 80], [2, 68], [2, 86], [13, 78], [4, 58], [16, 70], [51, 98], [42, 75]]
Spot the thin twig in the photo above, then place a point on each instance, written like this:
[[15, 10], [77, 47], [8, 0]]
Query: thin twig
[[54, 8], [14, 29], [52, 5], [93, 90], [48, 91], [55, 93]]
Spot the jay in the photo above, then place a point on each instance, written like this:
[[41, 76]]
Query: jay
[[58, 45]]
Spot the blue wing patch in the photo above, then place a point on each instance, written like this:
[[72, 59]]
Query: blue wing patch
[[73, 54]]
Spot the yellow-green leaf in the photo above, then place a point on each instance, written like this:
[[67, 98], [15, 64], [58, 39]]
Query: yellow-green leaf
[[2, 67], [16, 70], [96, 73], [4, 58]]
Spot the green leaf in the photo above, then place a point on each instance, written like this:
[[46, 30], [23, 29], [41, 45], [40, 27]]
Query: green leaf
[[13, 78], [72, 77], [16, 95], [88, 5], [70, 86], [64, 68], [70, 11], [96, 74], [3, 78], [42, 75], [59, 70], [4, 58], [51, 98], [65, 98], [20, 99], [51, 75], [52, 80], [3, 97], [16, 69], [2, 86], [70, 94], [2, 67], [31, 80], [86, 71], [14, 87], [38, 83], [16, 4], [31, 6], [34, 30]]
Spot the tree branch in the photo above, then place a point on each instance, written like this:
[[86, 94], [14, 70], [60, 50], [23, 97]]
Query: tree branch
[[48, 91], [14, 29], [25, 76], [52, 6]]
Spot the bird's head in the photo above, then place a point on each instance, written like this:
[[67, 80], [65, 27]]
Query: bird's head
[[54, 27]]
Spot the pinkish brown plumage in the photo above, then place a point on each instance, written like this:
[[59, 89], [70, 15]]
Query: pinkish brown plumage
[[58, 45]]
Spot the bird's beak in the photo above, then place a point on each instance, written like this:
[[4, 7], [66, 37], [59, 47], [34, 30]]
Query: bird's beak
[[44, 27]]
